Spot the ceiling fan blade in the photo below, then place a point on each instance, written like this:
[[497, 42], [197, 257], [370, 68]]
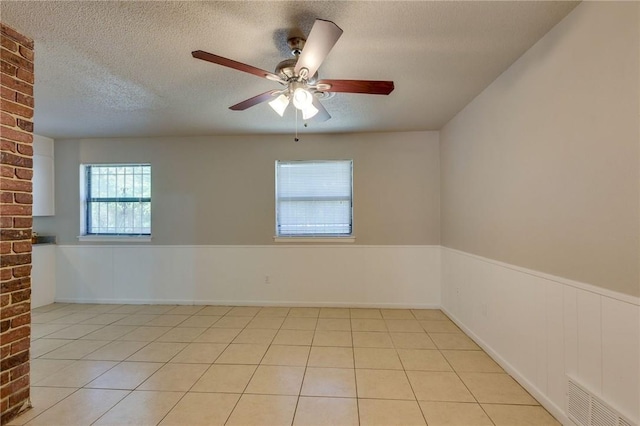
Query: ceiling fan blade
[[371, 87], [322, 38], [263, 97], [230, 63], [322, 114]]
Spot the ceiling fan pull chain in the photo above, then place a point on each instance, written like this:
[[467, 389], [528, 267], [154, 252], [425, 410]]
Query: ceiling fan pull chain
[[295, 139]]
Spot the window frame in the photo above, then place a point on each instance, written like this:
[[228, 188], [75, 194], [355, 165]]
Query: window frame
[[86, 203], [329, 238]]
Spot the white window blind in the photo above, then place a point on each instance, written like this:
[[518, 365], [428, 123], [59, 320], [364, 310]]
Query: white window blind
[[314, 198]]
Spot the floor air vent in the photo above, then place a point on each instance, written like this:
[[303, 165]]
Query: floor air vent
[[585, 409]]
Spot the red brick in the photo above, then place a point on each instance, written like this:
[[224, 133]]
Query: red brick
[[13, 310], [14, 234], [19, 397], [6, 197], [5, 247], [7, 119], [16, 36], [5, 325], [15, 185], [9, 69], [26, 174], [5, 299], [16, 135], [21, 345], [8, 94], [8, 362], [25, 125], [19, 371], [15, 334], [24, 319], [5, 351], [15, 84], [9, 286], [26, 53], [16, 60], [6, 274], [17, 109], [15, 259], [21, 271], [25, 75], [24, 99], [20, 246], [14, 386], [23, 198], [7, 171], [16, 209], [4, 378], [16, 160], [23, 222], [8, 146], [25, 149], [9, 44], [6, 413]]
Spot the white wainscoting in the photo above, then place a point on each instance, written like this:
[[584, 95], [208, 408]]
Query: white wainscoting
[[541, 328], [333, 275]]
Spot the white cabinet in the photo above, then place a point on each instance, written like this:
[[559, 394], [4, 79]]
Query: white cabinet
[[43, 177], [43, 274]]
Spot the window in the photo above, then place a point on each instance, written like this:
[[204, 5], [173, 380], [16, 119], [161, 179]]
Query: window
[[314, 198], [117, 199]]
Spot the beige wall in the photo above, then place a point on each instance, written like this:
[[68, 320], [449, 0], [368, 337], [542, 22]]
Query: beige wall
[[220, 190], [541, 169]]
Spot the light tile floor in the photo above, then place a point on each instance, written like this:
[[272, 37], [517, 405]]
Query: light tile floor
[[216, 365]]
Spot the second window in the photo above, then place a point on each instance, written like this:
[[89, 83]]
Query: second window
[[314, 198]]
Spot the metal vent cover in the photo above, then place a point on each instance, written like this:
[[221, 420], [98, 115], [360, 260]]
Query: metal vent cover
[[586, 409]]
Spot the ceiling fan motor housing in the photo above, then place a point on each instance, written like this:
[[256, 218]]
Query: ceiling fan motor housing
[[286, 70]]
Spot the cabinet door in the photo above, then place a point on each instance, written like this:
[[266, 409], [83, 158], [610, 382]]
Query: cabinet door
[[43, 186], [43, 275]]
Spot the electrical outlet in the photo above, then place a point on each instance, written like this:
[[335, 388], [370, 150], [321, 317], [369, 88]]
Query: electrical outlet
[[267, 279]]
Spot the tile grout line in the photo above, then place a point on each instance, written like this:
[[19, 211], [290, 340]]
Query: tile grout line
[[355, 377]]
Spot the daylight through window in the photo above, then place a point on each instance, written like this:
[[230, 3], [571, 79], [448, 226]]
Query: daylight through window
[[117, 199], [314, 198]]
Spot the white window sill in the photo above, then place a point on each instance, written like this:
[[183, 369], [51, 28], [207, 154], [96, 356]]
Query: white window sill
[[115, 238], [314, 239]]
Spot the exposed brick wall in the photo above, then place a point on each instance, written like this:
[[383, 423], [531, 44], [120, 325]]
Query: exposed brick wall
[[16, 162]]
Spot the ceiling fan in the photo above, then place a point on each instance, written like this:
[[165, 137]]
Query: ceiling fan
[[299, 75]]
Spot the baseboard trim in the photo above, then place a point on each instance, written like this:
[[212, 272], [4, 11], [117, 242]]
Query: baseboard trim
[[295, 304]]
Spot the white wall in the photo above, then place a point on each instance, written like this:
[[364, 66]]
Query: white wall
[[334, 275], [542, 328]]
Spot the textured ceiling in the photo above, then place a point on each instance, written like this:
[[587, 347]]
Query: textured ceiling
[[108, 69]]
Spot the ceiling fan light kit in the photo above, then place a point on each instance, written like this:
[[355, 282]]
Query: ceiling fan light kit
[[299, 75], [280, 104]]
